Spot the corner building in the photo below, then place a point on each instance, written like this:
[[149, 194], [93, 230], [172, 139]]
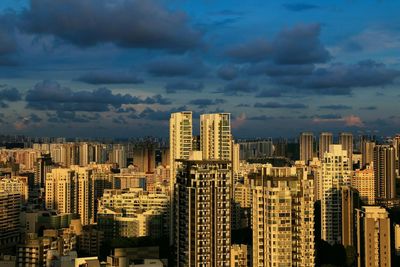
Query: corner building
[[203, 214], [283, 218]]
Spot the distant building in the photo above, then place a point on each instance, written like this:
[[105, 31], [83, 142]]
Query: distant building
[[367, 151], [346, 140], [385, 172], [306, 146], [325, 140], [364, 182]]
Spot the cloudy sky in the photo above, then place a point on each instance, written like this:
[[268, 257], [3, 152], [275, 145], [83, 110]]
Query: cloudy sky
[[118, 68]]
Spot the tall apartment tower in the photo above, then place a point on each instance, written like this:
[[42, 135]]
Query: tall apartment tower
[[373, 237], [42, 167], [385, 172], [367, 151], [364, 182], [10, 207], [346, 140], [336, 173], [215, 136], [325, 140], [84, 177], [396, 145], [306, 146], [119, 155], [61, 190], [180, 139], [180, 146], [350, 203], [283, 218], [203, 213], [71, 190]]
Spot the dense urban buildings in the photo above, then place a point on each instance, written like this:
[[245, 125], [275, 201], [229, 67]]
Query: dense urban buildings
[[204, 200]]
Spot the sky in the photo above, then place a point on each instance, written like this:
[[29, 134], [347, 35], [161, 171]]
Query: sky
[[118, 68]]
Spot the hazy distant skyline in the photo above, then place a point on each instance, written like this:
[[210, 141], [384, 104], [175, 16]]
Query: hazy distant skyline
[[118, 68]]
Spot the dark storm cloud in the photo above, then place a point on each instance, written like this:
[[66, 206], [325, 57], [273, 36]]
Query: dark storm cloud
[[50, 95], [8, 43], [363, 74], [292, 46], [238, 87], [173, 66], [23, 122], [120, 120], [110, 77], [276, 105], [61, 116], [335, 107], [270, 93], [327, 116], [253, 51], [274, 70], [126, 23], [173, 87], [155, 114], [227, 72], [10, 94], [243, 105], [369, 108], [300, 45], [203, 102], [298, 7], [261, 118]]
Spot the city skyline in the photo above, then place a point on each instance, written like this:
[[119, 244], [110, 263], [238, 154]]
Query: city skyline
[[279, 68]]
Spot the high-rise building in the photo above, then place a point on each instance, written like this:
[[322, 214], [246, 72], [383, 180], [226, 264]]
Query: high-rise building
[[61, 190], [396, 145], [384, 171], [367, 151], [145, 158], [350, 202], [373, 237], [203, 213], [119, 156], [235, 157], [180, 139], [325, 140], [251, 149], [283, 218], [364, 182], [335, 174], [306, 146], [216, 136], [316, 171], [76, 190], [43, 166], [180, 146], [10, 207], [16, 184], [346, 140]]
